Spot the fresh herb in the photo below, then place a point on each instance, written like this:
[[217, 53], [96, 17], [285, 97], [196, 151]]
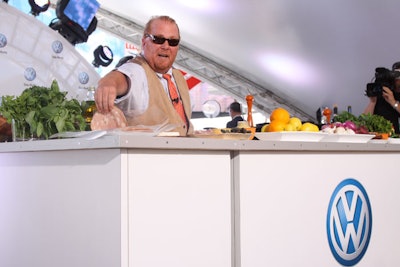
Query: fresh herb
[[372, 122], [40, 112], [375, 123], [345, 116]]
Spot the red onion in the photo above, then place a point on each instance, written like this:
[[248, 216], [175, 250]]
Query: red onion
[[350, 125], [326, 126], [338, 124]]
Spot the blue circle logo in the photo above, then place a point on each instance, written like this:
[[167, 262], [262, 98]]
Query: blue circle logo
[[3, 40], [349, 222], [30, 74], [57, 47], [83, 78]]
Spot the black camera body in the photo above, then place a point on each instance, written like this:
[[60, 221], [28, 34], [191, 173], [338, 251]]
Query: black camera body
[[383, 77]]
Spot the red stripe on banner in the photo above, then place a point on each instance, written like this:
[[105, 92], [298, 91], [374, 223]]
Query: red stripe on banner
[[191, 80]]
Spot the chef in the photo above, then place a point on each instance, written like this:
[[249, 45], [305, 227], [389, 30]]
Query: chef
[[147, 88]]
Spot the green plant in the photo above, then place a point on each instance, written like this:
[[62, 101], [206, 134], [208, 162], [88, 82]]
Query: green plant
[[345, 116], [367, 122], [375, 123], [40, 112]]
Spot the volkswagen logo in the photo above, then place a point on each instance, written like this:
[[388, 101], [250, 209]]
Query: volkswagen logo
[[349, 222], [3, 40], [83, 78], [57, 47], [30, 74]]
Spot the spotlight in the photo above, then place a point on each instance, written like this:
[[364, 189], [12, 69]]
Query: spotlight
[[123, 60], [38, 6], [75, 19], [102, 56], [211, 108]]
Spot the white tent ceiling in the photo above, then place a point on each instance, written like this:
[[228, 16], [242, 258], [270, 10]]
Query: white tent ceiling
[[309, 53]]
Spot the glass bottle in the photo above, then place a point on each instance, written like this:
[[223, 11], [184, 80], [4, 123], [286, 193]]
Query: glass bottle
[[327, 113], [90, 105], [319, 116], [335, 112], [349, 109]]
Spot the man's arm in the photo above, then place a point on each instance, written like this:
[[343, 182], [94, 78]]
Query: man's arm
[[369, 109]]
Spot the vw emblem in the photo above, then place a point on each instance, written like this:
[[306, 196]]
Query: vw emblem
[[3, 40], [83, 78], [30, 74], [349, 222], [57, 47]]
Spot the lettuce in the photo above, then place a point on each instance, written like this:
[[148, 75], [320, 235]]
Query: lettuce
[[40, 112]]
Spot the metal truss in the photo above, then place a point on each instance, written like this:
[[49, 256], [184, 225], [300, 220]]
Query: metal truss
[[204, 68]]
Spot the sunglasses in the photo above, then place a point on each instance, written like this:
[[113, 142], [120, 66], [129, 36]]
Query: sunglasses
[[161, 40]]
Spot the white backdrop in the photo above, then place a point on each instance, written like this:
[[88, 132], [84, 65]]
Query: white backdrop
[[32, 53]]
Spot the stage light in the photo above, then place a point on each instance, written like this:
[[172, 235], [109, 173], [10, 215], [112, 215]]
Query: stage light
[[211, 108], [38, 6], [123, 60], [75, 19], [103, 56]]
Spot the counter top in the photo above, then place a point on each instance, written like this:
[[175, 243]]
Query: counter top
[[228, 203], [186, 143]]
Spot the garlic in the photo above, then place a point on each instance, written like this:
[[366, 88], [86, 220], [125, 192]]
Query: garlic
[[340, 130]]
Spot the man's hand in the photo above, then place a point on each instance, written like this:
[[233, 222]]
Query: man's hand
[[104, 97], [373, 99], [388, 95], [109, 87]]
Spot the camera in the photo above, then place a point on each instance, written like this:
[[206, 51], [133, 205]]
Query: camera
[[383, 77]]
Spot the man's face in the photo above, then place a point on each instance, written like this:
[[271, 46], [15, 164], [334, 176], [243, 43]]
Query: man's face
[[160, 57]]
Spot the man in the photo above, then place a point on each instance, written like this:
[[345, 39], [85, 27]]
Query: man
[[235, 111], [387, 105], [139, 88]]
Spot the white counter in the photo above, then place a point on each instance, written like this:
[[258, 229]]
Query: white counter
[[120, 201], [138, 141]]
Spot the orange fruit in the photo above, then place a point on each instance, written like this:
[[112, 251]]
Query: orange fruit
[[276, 126], [280, 114]]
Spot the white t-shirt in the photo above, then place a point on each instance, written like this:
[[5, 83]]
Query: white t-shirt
[[136, 101]]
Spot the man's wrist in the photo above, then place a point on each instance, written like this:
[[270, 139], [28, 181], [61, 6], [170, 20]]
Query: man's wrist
[[396, 105]]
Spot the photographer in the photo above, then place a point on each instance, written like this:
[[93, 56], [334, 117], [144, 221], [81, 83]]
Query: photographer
[[384, 95]]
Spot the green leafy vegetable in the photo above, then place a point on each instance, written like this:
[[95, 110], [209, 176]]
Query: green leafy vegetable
[[372, 122], [40, 112], [345, 116], [376, 123]]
